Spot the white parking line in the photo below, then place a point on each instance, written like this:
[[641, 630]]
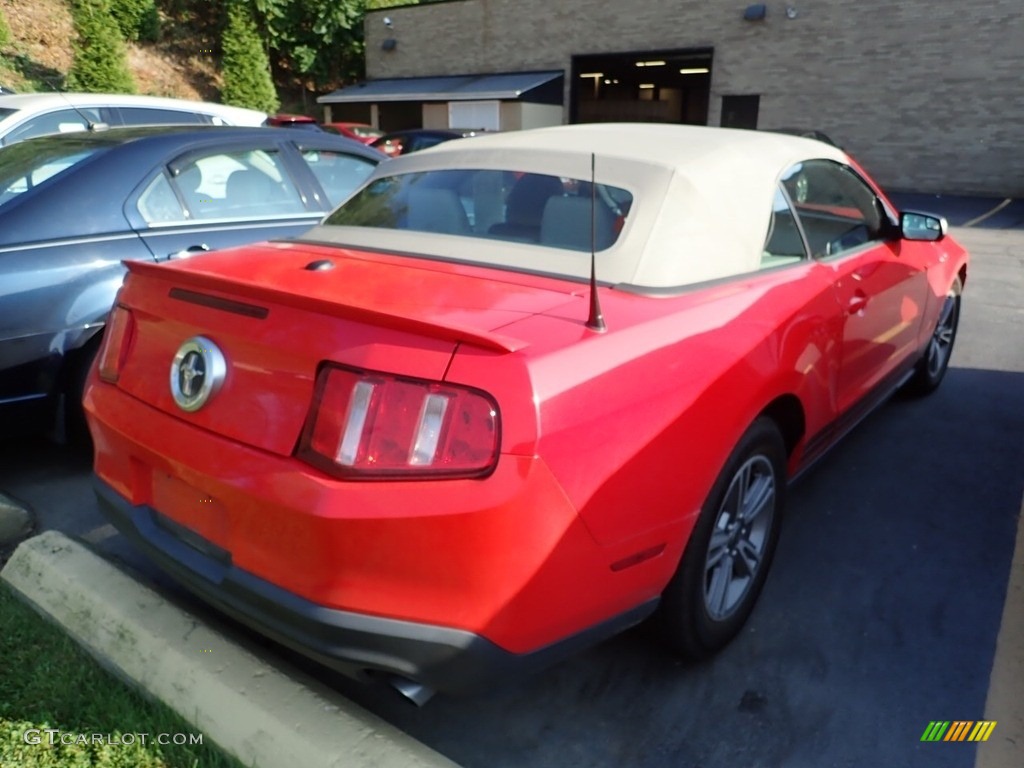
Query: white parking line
[[993, 212]]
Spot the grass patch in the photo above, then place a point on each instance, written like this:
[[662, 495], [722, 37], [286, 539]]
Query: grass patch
[[48, 682]]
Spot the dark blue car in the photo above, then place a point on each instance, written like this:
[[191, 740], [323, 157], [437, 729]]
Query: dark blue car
[[72, 207]]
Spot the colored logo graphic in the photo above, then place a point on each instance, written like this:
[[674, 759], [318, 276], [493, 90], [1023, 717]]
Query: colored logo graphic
[[958, 730]]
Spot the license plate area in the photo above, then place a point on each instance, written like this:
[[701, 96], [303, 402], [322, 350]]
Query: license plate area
[[194, 517]]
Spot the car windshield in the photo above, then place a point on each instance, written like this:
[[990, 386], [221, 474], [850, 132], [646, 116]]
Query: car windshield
[[28, 164], [509, 205]]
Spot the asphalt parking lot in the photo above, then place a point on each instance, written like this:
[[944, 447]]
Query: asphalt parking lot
[[881, 613]]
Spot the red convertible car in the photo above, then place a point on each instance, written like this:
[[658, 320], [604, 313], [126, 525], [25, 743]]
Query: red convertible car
[[515, 394]]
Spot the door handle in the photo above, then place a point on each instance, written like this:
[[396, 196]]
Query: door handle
[[858, 303], [192, 250]]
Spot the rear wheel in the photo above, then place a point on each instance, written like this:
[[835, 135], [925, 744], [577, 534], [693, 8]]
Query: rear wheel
[[730, 550], [932, 367]]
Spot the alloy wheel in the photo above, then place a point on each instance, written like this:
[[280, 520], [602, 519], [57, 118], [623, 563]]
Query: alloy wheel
[[941, 345], [740, 537]]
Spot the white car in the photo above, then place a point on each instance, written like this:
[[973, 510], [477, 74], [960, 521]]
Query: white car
[[23, 116]]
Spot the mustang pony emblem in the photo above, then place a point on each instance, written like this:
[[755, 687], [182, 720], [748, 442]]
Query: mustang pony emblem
[[197, 373]]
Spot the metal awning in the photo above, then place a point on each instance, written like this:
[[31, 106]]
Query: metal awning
[[510, 86]]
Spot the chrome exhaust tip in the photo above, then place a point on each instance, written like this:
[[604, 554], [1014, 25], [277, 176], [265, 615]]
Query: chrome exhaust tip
[[417, 693]]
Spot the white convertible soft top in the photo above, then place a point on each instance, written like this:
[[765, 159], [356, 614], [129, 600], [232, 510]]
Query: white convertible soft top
[[702, 198]]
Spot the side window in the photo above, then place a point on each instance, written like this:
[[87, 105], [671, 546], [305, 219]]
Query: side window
[[338, 173], [838, 211], [150, 116], [61, 121], [158, 204], [245, 184], [784, 244]]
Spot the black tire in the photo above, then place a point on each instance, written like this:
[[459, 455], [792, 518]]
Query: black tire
[[75, 427], [700, 611], [931, 368]]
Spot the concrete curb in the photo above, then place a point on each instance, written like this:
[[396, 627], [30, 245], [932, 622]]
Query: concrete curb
[[1005, 702], [15, 521], [251, 709]]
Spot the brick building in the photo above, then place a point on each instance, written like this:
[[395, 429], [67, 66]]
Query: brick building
[[927, 94]]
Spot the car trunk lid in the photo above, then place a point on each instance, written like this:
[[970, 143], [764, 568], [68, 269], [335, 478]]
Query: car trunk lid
[[276, 311]]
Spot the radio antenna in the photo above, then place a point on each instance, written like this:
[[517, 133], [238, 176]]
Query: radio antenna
[[91, 125], [595, 321]]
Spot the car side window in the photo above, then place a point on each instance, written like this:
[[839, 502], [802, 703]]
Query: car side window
[[158, 203], [244, 184], [150, 116], [339, 174], [784, 243], [838, 211], [61, 121]]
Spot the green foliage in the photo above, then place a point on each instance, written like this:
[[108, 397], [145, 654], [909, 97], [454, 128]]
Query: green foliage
[[5, 31], [246, 67], [49, 682], [137, 19], [316, 42], [321, 40], [100, 62]]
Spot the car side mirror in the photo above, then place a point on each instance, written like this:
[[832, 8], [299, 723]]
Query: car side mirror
[[922, 226]]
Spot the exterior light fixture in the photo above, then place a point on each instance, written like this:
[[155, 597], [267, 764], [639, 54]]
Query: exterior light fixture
[[650, 63], [694, 71], [389, 44], [595, 75], [646, 86]]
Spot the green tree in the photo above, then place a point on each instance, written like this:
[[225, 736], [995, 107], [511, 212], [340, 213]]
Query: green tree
[[246, 67], [137, 19], [318, 40], [100, 63]]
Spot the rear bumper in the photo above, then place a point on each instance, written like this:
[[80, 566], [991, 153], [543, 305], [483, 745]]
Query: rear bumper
[[442, 658], [451, 584]]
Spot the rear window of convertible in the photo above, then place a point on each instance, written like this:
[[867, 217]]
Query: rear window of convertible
[[499, 205]]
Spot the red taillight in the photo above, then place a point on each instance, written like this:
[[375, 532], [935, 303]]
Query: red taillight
[[367, 425], [116, 340]]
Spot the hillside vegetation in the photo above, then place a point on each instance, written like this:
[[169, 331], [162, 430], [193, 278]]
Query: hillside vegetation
[[313, 47]]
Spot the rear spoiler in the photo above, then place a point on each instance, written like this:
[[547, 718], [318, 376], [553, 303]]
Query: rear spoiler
[[231, 288]]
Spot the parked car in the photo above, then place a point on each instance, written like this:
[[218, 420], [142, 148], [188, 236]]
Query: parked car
[[303, 122], [38, 114], [6, 90], [415, 139], [516, 394], [359, 131], [72, 207]]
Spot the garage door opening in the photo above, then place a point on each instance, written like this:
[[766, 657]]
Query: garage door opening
[[646, 86]]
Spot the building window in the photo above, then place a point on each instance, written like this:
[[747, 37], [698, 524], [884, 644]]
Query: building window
[[740, 111]]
